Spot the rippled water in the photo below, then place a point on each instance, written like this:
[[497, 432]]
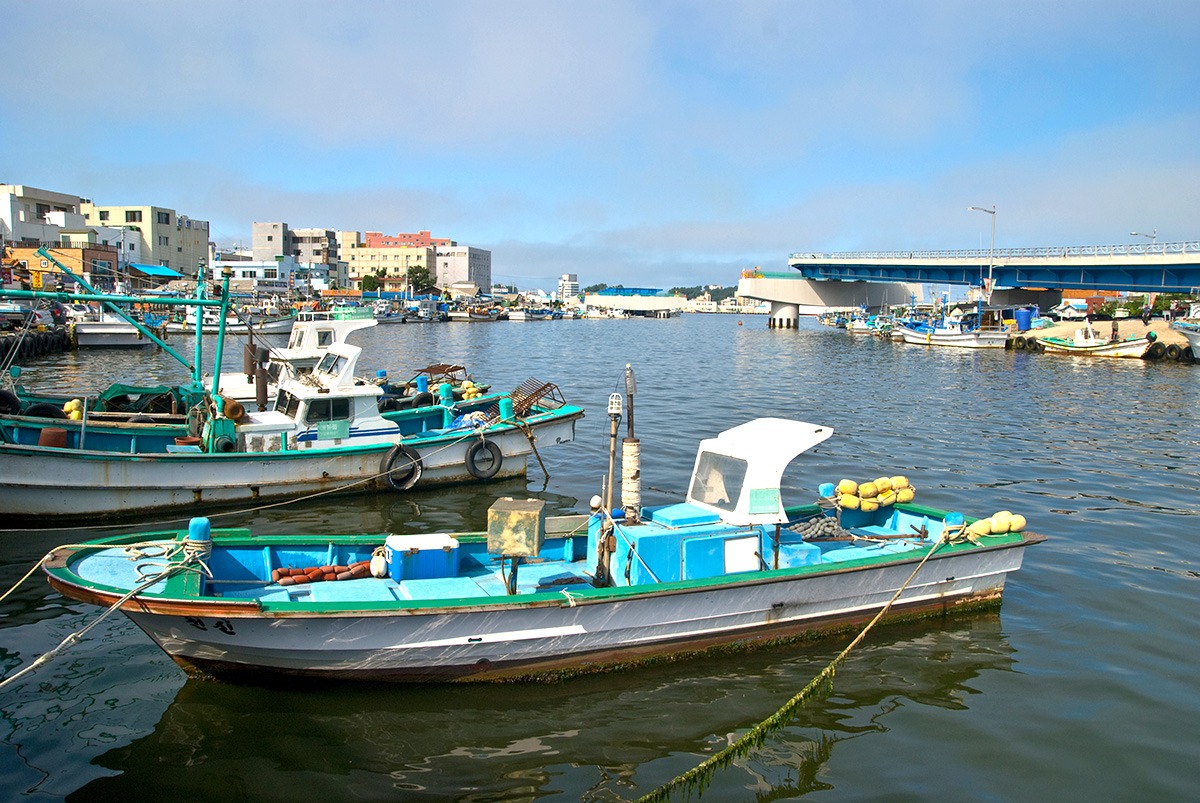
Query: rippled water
[[1082, 686]]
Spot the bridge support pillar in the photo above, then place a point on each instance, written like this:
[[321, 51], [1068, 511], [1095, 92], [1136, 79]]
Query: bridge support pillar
[[784, 316]]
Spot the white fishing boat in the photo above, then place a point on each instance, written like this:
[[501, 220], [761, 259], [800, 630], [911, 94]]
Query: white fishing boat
[[960, 332], [1191, 331], [1086, 342], [107, 331], [538, 596], [527, 314], [210, 324]]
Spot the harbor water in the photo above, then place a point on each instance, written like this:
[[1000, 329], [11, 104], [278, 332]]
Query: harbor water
[[1082, 685]]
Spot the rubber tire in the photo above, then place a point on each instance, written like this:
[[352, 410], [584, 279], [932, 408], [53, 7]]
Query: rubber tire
[[1019, 343], [1173, 352], [388, 404], [9, 403], [1156, 351], [410, 463], [44, 410], [139, 419], [485, 473], [1187, 355], [422, 400]]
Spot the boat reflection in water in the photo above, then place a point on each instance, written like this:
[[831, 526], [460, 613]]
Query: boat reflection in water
[[603, 737]]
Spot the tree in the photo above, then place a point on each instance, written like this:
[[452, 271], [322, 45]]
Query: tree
[[419, 280], [596, 288], [369, 283]]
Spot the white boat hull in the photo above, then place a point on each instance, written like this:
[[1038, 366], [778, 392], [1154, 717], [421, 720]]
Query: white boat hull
[[969, 340], [503, 637], [108, 334], [41, 481], [278, 326], [1191, 331]]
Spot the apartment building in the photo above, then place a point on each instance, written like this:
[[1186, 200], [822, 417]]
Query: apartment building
[[163, 236]]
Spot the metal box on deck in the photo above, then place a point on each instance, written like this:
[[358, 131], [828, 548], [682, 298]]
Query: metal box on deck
[[516, 527], [421, 557]]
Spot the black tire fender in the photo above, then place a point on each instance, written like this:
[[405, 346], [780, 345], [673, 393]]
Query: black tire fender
[[44, 410], [1019, 343], [9, 403], [1173, 352], [1156, 351], [488, 469], [422, 399], [402, 467]]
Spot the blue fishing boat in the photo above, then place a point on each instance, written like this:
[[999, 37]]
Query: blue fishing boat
[[537, 595]]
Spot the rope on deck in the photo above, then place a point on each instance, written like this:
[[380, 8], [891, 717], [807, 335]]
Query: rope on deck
[[700, 776]]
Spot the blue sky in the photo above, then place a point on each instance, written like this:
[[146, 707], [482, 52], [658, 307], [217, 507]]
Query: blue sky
[[653, 144]]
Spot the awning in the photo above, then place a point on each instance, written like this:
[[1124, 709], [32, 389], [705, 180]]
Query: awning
[[155, 270]]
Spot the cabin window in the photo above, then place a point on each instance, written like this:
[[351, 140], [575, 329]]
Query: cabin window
[[330, 364], [718, 480], [327, 410], [288, 404], [324, 338]]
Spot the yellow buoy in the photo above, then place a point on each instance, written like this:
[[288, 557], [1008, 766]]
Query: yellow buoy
[[867, 490], [848, 501], [1001, 522], [887, 497], [899, 481], [883, 484], [981, 527], [904, 495], [1017, 523], [847, 487], [868, 506]]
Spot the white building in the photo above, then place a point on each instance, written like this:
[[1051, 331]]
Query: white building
[[568, 286], [25, 211], [462, 263], [270, 277]]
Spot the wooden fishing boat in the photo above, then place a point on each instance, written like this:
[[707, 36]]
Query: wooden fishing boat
[[325, 433], [536, 595], [1087, 343]]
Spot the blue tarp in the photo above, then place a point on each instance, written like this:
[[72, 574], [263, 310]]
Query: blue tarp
[[156, 270]]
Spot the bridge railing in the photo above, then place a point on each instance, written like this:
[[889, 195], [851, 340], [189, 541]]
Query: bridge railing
[[1044, 252]]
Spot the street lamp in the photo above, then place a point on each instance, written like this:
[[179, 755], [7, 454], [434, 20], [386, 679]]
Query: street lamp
[[1153, 236], [992, 251]]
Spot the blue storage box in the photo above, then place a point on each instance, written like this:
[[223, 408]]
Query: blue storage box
[[421, 557]]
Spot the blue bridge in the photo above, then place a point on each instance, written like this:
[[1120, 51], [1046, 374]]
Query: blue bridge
[[817, 282]]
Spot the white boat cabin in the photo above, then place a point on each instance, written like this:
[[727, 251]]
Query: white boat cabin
[[325, 408]]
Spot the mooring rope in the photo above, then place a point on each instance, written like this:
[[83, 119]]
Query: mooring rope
[[701, 775], [194, 559]]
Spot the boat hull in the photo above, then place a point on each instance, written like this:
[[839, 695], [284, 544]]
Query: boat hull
[[70, 483], [549, 633], [968, 340], [1126, 349]]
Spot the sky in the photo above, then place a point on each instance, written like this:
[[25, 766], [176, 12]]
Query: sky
[[650, 144]]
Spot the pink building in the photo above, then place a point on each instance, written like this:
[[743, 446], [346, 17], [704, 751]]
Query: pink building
[[422, 239]]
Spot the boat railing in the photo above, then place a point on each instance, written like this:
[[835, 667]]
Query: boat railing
[[1042, 252]]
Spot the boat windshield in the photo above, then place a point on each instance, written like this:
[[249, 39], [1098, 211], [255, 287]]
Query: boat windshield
[[718, 480]]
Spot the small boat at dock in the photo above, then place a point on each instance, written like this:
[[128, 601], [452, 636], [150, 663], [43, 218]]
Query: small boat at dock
[[1087, 343]]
